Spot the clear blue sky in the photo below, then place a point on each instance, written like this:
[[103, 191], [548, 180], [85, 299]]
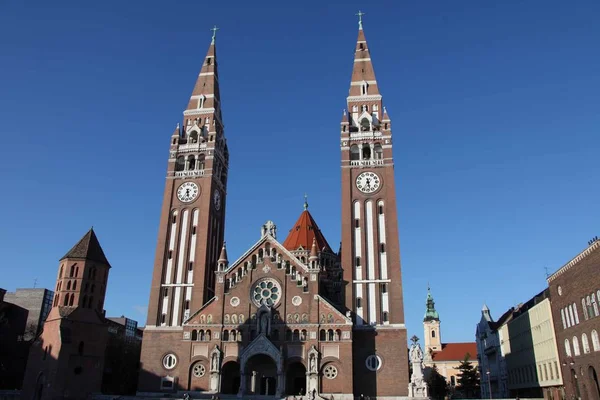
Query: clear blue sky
[[495, 108]]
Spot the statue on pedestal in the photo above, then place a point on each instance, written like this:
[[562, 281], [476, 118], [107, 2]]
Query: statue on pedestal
[[417, 387]]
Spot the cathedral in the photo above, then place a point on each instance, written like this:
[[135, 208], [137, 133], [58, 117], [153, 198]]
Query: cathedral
[[291, 316]]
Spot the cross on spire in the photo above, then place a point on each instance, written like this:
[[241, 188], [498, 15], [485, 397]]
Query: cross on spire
[[214, 30], [360, 15], [305, 201]]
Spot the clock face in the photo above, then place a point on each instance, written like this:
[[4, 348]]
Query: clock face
[[368, 182], [217, 200], [187, 192]]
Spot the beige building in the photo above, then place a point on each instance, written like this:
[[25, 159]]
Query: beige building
[[446, 356], [528, 347]]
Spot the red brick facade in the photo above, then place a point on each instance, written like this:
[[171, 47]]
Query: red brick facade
[[575, 291], [283, 318], [67, 359]]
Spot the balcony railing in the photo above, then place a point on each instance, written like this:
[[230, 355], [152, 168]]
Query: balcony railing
[[365, 163], [189, 174]]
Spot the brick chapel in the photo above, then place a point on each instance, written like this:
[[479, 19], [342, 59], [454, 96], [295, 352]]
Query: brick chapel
[[290, 316]]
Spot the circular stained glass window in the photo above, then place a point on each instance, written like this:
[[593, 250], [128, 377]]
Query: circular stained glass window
[[373, 362], [266, 291]]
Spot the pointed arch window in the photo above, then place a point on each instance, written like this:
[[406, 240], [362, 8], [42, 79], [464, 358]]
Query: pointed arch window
[[74, 285], [594, 304], [584, 308], [69, 285], [180, 163], [72, 272], [366, 151], [71, 299]]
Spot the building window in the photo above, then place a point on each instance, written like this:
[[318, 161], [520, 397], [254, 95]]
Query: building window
[[174, 217], [384, 288], [357, 262], [386, 316], [380, 210], [567, 348], [576, 351], [190, 266], [187, 304], [330, 372], [562, 317], [589, 307], [169, 361], [595, 341], [382, 247], [163, 318], [584, 308], [373, 362], [193, 230], [432, 333], [594, 305], [358, 302], [575, 313], [356, 223], [585, 344]]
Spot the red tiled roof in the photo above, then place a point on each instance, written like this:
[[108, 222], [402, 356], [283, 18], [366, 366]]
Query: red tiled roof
[[456, 352], [303, 233]]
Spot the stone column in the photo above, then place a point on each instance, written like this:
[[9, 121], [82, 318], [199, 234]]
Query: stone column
[[243, 379], [253, 383]]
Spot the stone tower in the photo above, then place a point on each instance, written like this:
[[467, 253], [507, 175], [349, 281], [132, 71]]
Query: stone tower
[[67, 359], [370, 244]]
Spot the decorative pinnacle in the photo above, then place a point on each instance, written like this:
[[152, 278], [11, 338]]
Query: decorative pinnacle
[[414, 339], [214, 30], [360, 15], [305, 201]]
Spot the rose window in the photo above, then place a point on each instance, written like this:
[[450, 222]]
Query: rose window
[[330, 372], [199, 370], [266, 291]]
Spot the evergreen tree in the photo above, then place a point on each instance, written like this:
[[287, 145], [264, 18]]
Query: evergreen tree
[[468, 378], [438, 387]]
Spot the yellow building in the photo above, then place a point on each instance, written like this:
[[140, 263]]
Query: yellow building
[[446, 356]]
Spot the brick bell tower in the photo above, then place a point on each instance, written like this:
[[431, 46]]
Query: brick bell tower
[[370, 245], [192, 221]]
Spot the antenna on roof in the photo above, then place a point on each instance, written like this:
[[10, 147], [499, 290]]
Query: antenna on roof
[[547, 273], [35, 283]]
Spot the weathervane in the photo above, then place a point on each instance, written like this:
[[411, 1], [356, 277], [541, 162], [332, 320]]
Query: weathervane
[[214, 30], [360, 15]]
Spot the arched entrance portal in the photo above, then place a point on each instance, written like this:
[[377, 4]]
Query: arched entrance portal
[[230, 378], [261, 375], [295, 379], [595, 386], [575, 383]]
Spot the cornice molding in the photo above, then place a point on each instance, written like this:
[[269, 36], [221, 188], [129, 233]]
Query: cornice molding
[[580, 257]]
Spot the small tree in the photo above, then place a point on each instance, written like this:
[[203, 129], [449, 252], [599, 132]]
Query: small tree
[[438, 387], [468, 378]]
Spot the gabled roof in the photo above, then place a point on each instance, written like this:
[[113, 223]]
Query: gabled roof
[[303, 233], [88, 248], [456, 352]]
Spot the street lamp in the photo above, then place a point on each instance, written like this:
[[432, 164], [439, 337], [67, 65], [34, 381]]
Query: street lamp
[[489, 382]]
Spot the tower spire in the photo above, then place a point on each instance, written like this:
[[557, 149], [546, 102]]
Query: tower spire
[[430, 313], [205, 100], [363, 74]]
